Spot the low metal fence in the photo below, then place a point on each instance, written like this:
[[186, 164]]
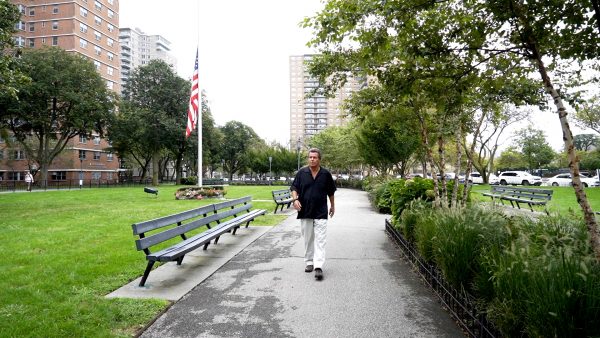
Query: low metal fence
[[7, 186], [460, 304]]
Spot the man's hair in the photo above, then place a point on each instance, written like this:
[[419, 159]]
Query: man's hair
[[315, 150]]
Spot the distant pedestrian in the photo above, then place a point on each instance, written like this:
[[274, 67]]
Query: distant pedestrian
[[311, 188], [29, 180]]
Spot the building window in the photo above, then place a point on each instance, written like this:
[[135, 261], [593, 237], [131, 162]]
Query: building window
[[83, 28], [22, 9], [83, 12], [111, 2], [109, 157], [110, 56], [32, 11], [97, 20], [98, 5], [31, 27], [109, 71], [82, 43], [59, 176], [96, 140], [54, 25], [111, 14], [20, 26], [82, 154], [96, 175], [20, 41], [109, 42], [96, 155], [18, 155], [110, 27], [82, 139], [98, 36], [55, 9], [109, 175], [110, 85], [98, 50], [97, 64], [32, 42]]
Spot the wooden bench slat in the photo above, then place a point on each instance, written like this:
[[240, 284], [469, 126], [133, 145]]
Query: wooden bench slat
[[529, 196], [157, 223]]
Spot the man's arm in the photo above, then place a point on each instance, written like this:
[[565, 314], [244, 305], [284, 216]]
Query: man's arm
[[331, 205]]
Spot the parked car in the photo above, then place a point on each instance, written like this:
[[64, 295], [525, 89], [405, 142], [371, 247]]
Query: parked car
[[476, 178], [565, 180], [518, 177]]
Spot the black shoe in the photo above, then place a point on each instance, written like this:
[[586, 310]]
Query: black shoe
[[318, 274], [309, 268]]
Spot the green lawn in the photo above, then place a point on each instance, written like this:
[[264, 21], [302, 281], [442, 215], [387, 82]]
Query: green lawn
[[63, 251], [563, 198]]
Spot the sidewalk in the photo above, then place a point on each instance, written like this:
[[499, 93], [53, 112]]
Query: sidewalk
[[263, 291]]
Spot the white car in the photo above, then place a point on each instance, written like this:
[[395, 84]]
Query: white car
[[518, 177], [476, 178], [564, 180]]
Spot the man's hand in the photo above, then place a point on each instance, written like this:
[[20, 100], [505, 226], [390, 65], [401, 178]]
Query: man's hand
[[331, 211], [297, 205]]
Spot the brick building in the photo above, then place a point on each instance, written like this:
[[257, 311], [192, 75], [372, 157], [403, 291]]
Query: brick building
[[89, 28]]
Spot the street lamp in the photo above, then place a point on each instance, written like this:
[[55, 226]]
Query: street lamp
[[298, 152], [270, 175], [80, 171]]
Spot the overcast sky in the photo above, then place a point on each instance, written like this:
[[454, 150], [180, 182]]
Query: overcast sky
[[244, 56]]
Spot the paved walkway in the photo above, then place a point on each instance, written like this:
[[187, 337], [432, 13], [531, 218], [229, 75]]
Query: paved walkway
[[368, 290]]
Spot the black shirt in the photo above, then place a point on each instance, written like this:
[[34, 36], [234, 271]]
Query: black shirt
[[313, 193]]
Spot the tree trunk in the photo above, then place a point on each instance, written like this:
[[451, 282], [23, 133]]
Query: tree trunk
[[155, 169], [588, 214], [454, 201], [425, 136]]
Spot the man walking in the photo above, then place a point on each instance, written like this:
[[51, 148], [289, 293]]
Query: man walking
[[310, 190]]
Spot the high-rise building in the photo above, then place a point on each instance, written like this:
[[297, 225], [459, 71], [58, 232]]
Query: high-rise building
[[89, 28], [310, 115], [137, 48]]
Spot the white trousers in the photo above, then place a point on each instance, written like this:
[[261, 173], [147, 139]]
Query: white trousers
[[314, 232]]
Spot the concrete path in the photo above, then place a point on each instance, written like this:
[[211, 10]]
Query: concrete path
[[368, 290]]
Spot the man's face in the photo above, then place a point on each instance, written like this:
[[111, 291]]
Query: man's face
[[314, 160]]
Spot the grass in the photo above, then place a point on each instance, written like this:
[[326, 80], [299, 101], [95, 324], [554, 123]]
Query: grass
[[63, 251], [563, 198]]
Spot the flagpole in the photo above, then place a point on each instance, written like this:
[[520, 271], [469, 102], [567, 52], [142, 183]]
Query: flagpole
[[199, 124]]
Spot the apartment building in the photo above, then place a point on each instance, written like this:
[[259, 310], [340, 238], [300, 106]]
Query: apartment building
[[89, 28], [310, 115], [137, 48]]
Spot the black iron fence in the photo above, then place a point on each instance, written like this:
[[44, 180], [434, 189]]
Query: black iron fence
[[460, 304], [14, 186]]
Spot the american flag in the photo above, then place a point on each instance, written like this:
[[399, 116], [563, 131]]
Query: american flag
[[193, 113]]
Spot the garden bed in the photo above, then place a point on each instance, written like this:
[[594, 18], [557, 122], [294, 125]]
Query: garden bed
[[198, 193], [460, 304]]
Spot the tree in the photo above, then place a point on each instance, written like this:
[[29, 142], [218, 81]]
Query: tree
[[158, 97], [511, 159], [535, 149], [238, 139], [65, 98], [588, 114], [510, 40], [586, 141], [11, 77], [339, 147]]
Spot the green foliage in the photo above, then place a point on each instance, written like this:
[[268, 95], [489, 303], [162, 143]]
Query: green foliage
[[11, 78], [536, 278], [190, 180], [65, 98], [238, 140], [338, 145], [406, 191], [536, 151]]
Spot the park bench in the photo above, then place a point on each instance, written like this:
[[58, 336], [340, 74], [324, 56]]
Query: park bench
[[218, 219], [282, 198], [517, 196]]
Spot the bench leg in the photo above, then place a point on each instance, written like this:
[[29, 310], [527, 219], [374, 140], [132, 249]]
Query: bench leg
[[147, 272], [206, 245], [180, 260], [276, 206]]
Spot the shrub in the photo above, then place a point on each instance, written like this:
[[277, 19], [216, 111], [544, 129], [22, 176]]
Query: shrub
[[190, 180]]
